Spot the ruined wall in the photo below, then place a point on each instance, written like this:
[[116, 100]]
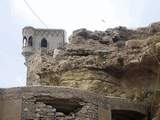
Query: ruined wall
[[41, 103], [1, 107], [1, 103], [12, 105], [117, 62], [11, 110], [59, 103]]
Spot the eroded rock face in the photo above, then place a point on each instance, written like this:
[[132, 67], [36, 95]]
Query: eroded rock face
[[118, 62]]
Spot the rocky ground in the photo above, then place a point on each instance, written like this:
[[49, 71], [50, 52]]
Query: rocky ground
[[117, 62]]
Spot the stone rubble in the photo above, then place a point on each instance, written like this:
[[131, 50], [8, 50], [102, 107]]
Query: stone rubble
[[48, 112], [118, 62]]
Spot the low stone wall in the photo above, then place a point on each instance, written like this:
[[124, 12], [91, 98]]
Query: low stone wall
[[35, 103], [10, 105], [1, 103], [12, 109]]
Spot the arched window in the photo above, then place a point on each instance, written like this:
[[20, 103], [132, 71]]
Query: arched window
[[24, 41], [44, 43], [30, 41]]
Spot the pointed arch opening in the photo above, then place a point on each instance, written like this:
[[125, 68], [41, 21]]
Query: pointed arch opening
[[44, 43], [24, 41], [30, 41]]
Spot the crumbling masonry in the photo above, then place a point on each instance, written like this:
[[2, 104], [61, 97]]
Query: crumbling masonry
[[100, 75]]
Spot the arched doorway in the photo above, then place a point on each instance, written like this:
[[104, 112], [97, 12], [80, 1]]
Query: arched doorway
[[44, 43]]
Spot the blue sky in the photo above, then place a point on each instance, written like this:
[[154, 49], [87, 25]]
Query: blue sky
[[66, 14]]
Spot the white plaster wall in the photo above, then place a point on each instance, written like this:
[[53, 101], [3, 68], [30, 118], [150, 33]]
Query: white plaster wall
[[54, 37]]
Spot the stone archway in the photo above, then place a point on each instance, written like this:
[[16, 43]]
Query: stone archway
[[44, 43]]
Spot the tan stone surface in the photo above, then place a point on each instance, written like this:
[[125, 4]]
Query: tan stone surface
[[1, 103], [12, 110], [104, 114], [1, 109], [93, 61], [118, 62], [44, 101]]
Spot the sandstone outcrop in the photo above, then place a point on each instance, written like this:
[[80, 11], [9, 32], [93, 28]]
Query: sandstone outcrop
[[117, 62]]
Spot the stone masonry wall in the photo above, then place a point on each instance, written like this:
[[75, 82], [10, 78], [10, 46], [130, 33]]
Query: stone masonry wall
[[48, 112], [1, 103], [50, 103], [12, 109], [10, 105]]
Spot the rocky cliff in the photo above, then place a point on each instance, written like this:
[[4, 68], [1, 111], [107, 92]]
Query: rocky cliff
[[118, 62]]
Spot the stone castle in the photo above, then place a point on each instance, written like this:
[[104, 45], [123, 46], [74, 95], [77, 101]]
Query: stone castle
[[100, 75], [37, 39], [34, 39]]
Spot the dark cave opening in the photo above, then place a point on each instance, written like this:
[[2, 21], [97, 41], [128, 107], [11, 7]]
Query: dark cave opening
[[127, 115], [65, 106]]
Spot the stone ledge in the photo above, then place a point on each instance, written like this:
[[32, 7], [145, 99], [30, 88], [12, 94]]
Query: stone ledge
[[68, 93]]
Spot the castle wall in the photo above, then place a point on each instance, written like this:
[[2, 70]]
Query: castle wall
[[30, 103]]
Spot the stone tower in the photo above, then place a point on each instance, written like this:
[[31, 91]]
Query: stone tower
[[34, 39], [37, 39]]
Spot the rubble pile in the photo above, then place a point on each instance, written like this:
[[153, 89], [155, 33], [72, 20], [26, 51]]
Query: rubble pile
[[117, 62]]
